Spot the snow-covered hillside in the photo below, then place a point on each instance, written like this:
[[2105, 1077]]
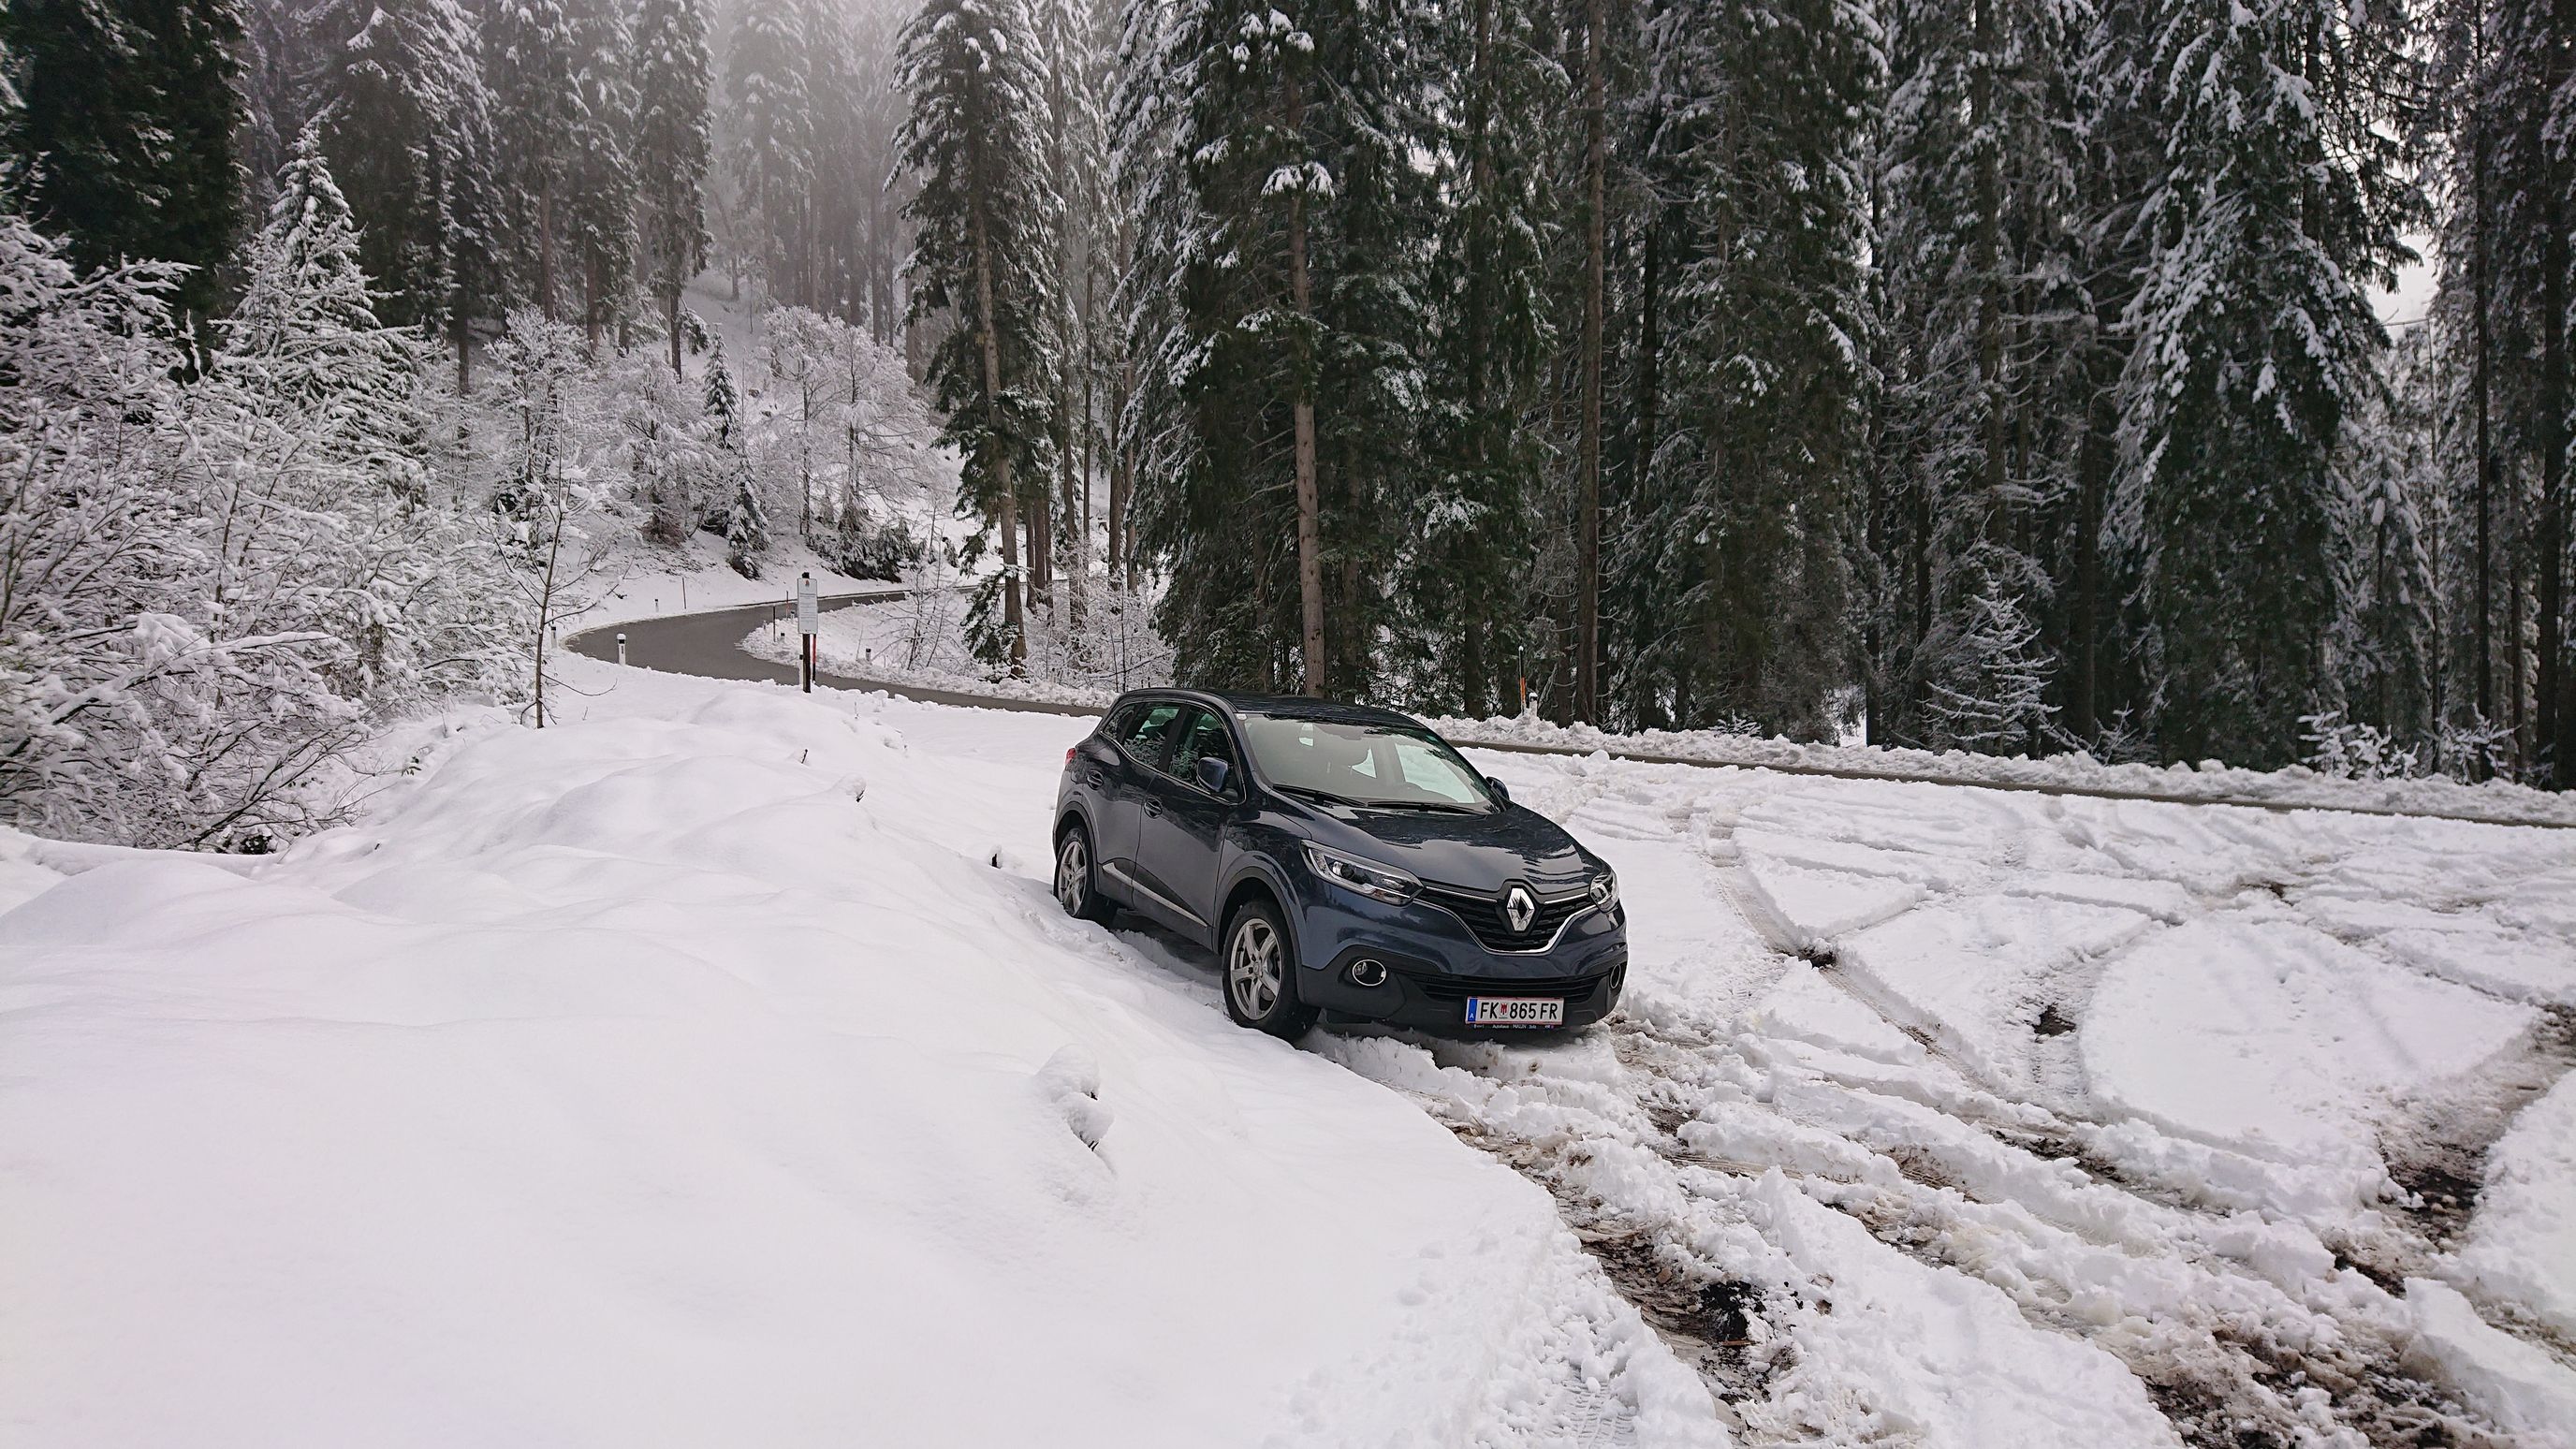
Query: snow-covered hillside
[[715, 1069]]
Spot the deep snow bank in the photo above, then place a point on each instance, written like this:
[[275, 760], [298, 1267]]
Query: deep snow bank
[[639, 1082]]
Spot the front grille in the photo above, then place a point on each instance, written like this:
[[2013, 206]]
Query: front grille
[[1575, 989], [1484, 916]]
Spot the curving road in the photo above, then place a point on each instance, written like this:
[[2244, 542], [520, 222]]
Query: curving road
[[709, 643]]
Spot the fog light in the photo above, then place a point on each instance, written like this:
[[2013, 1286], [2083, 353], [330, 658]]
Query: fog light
[[1368, 972]]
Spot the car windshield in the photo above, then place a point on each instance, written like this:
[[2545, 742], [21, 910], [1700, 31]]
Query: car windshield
[[1380, 766]]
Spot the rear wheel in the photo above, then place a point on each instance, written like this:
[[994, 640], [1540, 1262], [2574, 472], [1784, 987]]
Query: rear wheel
[[1261, 974], [1077, 889]]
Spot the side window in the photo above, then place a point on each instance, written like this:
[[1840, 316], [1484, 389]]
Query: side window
[[1144, 735], [1204, 737]]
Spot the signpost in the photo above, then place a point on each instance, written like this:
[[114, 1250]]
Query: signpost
[[808, 617]]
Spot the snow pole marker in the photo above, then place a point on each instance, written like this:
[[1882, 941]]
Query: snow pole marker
[[808, 620]]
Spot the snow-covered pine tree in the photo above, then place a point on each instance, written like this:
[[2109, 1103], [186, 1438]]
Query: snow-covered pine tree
[[278, 63], [1296, 348], [768, 88], [305, 337], [2506, 75], [671, 152], [1465, 584], [408, 130], [1978, 412], [125, 137], [601, 184], [983, 254], [2279, 203], [1737, 522], [2389, 631], [1076, 128], [723, 399], [746, 525], [530, 56]]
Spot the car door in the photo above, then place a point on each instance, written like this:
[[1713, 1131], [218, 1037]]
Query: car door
[[1141, 736], [1183, 830]]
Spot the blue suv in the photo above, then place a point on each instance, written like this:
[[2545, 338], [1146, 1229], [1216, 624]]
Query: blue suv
[[1343, 862]]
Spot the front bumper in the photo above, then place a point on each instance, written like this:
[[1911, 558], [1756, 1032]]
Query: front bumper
[[1434, 963]]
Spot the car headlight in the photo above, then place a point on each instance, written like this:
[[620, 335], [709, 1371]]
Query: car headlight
[[1605, 890], [1377, 882]]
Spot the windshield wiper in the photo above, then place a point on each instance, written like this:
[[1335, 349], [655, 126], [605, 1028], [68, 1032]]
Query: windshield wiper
[[1322, 797], [1442, 806]]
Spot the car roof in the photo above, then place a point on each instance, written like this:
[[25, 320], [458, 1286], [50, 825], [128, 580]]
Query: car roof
[[1280, 706]]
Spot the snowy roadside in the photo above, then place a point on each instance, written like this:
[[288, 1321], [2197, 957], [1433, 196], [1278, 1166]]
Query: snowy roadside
[[689, 1074], [890, 646], [2495, 801], [917, 642]]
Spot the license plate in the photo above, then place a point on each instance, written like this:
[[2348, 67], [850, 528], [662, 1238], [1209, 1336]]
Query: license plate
[[1515, 1011]]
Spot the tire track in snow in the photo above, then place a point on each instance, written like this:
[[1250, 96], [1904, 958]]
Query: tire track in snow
[[2229, 1353]]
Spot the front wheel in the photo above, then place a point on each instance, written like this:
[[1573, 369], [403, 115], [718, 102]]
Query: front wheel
[[1261, 974], [1076, 889]]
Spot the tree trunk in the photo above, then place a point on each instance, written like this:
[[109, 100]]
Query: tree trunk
[[546, 247], [2557, 756], [2481, 385], [1587, 587], [1310, 543], [671, 316], [998, 462]]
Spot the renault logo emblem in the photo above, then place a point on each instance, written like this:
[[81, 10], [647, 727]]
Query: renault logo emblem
[[1519, 908]]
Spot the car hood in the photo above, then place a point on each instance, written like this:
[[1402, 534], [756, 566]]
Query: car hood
[[1477, 852]]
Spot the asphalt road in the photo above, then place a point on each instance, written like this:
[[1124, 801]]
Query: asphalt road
[[709, 644]]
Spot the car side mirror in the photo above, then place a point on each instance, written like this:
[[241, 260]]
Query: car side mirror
[[1213, 774], [1501, 791]]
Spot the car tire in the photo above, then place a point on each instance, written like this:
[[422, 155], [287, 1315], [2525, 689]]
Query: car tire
[[1077, 879], [1257, 971]]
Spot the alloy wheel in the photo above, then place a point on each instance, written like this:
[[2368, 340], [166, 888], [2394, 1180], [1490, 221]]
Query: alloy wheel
[[1072, 874], [1253, 968]]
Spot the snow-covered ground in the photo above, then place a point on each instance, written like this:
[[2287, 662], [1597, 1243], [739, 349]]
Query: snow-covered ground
[[716, 1069]]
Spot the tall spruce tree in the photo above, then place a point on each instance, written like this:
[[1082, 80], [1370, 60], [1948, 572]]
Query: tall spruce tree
[[601, 185], [984, 257], [530, 55], [1737, 519], [768, 83], [407, 127], [1475, 515], [125, 137], [672, 152], [1976, 412], [1297, 218], [2278, 204]]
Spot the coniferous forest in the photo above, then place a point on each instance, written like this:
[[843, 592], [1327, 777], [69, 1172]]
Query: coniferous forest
[[2162, 379]]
